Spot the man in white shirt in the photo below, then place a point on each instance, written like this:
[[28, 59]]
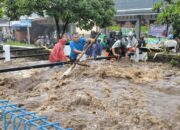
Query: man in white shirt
[[119, 48]]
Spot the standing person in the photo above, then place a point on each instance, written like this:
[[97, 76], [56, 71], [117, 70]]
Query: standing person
[[76, 46], [141, 42], [57, 53], [95, 50]]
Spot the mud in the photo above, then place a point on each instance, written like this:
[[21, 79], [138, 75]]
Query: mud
[[105, 96]]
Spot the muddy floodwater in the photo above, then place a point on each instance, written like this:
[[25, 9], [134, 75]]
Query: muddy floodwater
[[105, 96]]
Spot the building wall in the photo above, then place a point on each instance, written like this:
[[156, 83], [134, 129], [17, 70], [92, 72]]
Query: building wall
[[21, 36]]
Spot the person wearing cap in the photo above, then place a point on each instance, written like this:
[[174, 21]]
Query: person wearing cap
[[57, 53], [171, 43]]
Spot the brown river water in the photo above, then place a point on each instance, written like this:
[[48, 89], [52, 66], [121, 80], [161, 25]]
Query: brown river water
[[105, 96]]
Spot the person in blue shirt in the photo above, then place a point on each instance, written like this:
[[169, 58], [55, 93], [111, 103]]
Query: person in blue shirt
[[76, 46]]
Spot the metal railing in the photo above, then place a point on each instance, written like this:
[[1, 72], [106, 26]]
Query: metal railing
[[14, 118], [24, 50]]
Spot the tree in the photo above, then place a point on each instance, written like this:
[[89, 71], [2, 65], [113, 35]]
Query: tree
[[1, 10], [1, 13], [84, 13], [11, 9], [169, 14]]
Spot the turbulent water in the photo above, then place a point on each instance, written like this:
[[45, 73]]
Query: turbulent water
[[105, 96]]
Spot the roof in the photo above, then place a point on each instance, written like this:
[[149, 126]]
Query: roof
[[134, 7]]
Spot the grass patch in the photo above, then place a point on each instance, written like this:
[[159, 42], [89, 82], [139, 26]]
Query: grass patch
[[14, 43]]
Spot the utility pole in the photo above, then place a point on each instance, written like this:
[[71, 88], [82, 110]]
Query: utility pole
[[138, 27]]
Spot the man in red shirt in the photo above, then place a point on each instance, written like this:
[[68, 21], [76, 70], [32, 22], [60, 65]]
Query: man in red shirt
[[57, 53]]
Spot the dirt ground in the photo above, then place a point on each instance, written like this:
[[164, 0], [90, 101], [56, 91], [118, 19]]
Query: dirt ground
[[105, 96]]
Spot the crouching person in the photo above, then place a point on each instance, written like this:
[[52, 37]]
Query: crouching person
[[57, 53], [119, 48]]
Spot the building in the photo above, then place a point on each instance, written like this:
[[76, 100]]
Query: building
[[35, 28], [135, 14]]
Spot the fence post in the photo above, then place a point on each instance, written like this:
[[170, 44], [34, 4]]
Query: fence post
[[6, 53]]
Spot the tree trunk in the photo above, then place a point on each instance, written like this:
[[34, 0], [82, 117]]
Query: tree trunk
[[9, 30], [167, 29], [64, 28], [57, 26]]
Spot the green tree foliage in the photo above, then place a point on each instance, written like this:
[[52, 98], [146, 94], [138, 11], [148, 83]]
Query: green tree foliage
[[1, 10], [84, 13], [11, 9], [169, 14], [1, 13]]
